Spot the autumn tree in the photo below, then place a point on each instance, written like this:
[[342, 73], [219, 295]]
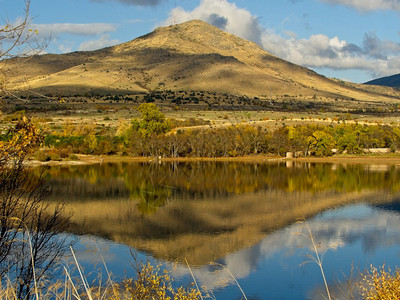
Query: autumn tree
[[278, 141], [29, 242], [322, 143]]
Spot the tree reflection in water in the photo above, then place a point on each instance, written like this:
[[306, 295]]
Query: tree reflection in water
[[198, 180], [241, 215], [205, 211]]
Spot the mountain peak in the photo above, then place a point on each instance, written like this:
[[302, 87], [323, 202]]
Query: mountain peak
[[191, 37], [190, 56]]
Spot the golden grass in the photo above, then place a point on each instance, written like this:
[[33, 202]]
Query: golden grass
[[184, 57]]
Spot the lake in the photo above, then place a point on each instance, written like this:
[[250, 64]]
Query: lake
[[236, 224]]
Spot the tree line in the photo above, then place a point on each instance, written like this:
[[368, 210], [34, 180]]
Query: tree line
[[151, 136]]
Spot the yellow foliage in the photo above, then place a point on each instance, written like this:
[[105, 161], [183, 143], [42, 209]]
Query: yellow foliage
[[152, 283], [22, 139], [381, 284]]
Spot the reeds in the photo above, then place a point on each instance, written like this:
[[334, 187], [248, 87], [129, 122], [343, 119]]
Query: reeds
[[316, 256], [151, 282], [154, 282]]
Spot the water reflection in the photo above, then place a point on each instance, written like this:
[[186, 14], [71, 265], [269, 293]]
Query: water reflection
[[238, 215], [206, 211], [356, 235], [199, 180], [370, 237]]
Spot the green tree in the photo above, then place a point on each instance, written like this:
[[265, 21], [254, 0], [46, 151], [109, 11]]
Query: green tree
[[152, 121], [348, 138]]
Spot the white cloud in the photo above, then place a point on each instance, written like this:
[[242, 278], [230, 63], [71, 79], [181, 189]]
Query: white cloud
[[103, 41], [47, 30], [40, 35], [53, 31], [224, 15], [368, 5], [373, 231], [376, 57], [64, 49]]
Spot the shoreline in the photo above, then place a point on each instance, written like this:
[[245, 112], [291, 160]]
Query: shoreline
[[348, 159]]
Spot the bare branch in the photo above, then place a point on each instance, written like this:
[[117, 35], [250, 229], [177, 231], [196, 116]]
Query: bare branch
[[17, 40]]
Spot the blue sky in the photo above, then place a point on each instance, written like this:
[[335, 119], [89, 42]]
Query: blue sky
[[354, 40]]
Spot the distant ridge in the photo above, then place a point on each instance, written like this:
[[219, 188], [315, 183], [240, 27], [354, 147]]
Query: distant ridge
[[192, 56], [390, 81]]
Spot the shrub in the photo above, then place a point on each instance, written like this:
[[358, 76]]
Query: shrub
[[152, 283], [73, 157], [54, 155], [381, 284], [41, 155]]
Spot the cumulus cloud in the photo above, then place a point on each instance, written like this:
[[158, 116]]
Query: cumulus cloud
[[103, 41], [55, 29], [377, 57], [224, 15], [374, 56], [135, 2], [368, 5]]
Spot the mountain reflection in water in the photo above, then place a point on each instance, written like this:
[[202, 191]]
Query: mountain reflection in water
[[239, 215]]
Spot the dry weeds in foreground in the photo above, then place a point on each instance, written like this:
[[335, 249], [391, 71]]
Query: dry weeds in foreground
[[151, 282]]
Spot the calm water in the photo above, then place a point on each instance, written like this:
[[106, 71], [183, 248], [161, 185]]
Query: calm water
[[235, 219]]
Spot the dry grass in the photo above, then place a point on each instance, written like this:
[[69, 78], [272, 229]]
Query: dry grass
[[151, 282], [184, 57]]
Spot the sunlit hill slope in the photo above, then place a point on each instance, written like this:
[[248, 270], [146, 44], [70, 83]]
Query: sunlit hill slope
[[191, 56]]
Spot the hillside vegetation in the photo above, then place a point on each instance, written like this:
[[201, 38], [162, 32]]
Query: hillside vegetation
[[192, 56]]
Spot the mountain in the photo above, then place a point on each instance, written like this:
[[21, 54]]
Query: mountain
[[192, 56], [391, 81]]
